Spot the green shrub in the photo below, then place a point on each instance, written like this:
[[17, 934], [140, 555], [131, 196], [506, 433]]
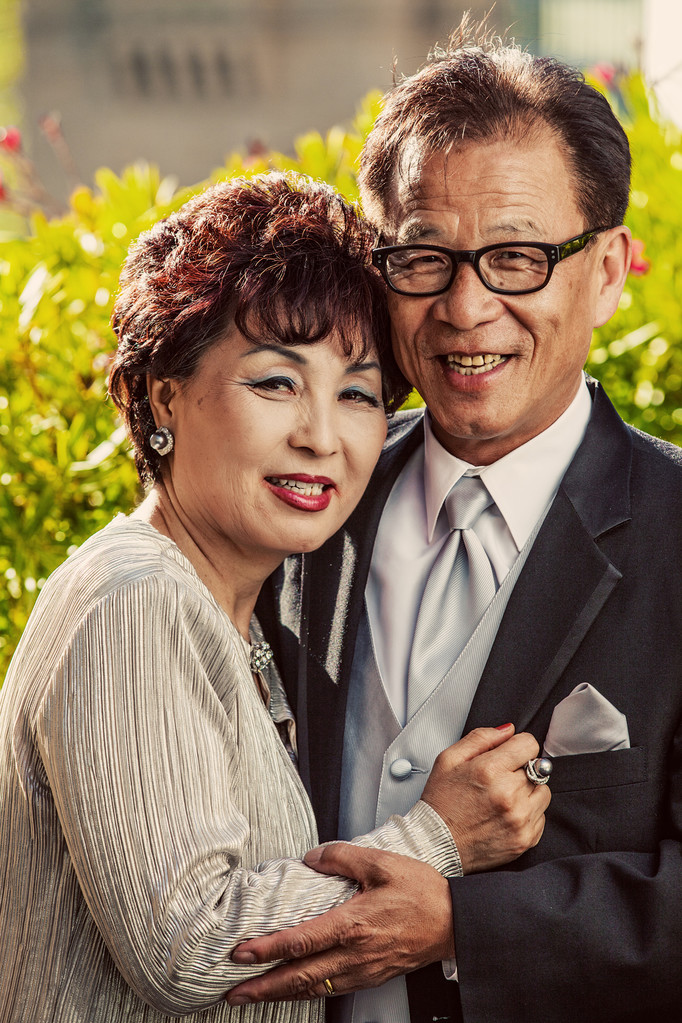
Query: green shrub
[[64, 465], [638, 354], [65, 469]]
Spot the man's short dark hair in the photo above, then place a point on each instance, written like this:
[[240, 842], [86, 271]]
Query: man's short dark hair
[[480, 89]]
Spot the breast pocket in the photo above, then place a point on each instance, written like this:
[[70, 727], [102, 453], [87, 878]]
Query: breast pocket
[[599, 770], [601, 802]]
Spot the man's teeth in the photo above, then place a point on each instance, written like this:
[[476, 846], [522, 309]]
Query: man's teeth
[[307, 489], [469, 365]]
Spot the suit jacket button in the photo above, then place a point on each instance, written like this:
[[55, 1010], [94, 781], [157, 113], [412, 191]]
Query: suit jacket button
[[400, 769]]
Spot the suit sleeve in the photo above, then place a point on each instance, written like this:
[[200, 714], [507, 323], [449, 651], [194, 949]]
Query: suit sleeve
[[585, 937]]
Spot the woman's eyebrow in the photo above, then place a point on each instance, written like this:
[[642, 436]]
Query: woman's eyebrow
[[289, 353], [363, 366], [282, 350]]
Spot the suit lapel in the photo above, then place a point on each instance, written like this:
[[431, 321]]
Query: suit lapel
[[336, 602], [334, 593], [565, 581]]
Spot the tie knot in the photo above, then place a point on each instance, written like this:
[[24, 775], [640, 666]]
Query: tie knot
[[465, 502]]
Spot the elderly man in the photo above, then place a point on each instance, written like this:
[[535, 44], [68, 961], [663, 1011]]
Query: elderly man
[[499, 183]]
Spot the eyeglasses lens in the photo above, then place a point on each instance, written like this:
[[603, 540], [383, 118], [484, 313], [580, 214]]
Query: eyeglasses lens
[[514, 269], [418, 271], [425, 271]]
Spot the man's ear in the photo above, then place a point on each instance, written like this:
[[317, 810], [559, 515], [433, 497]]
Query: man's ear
[[614, 263], [161, 392]]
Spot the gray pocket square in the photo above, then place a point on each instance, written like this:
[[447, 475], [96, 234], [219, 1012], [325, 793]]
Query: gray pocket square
[[586, 722]]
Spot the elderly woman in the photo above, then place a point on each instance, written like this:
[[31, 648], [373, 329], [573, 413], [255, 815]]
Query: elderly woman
[[152, 814]]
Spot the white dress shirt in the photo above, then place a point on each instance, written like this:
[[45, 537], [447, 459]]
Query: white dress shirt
[[414, 527]]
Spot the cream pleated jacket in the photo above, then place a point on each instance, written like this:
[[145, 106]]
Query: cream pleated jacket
[[150, 815]]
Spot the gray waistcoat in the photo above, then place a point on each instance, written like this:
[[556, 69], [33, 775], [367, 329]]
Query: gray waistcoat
[[374, 740]]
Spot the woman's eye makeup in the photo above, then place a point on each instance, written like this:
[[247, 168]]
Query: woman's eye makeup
[[360, 395], [276, 382], [279, 383]]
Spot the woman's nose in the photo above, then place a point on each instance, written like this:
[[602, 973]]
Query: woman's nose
[[316, 430]]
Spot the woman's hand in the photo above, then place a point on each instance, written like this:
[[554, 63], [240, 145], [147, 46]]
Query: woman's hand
[[480, 789]]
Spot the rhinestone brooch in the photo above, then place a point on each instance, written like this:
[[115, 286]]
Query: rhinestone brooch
[[261, 655]]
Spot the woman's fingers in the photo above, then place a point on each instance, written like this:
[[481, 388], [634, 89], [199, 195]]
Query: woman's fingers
[[480, 789], [476, 742]]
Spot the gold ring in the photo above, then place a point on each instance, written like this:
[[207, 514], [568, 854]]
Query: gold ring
[[328, 986]]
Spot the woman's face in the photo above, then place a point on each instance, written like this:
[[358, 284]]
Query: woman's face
[[274, 445]]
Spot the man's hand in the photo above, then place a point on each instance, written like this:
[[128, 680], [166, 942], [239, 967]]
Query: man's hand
[[401, 919]]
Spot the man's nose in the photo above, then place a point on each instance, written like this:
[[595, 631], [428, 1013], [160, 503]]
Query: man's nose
[[467, 303]]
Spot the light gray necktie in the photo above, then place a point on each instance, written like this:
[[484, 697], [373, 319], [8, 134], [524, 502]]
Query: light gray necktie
[[459, 588]]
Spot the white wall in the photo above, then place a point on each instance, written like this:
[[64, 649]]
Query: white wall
[[662, 53]]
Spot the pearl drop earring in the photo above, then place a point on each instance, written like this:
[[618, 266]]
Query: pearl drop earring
[[162, 441]]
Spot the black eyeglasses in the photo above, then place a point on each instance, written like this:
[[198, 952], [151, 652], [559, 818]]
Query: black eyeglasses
[[508, 268]]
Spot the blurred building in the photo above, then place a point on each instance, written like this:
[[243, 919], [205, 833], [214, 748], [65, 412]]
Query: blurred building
[[184, 82]]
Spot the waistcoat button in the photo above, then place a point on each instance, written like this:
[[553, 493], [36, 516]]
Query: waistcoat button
[[400, 769]]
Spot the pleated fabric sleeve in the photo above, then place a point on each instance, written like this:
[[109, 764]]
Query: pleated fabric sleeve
[[152, 817]]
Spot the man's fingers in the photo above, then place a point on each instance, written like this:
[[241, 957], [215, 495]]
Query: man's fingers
[[316, 935], [303, 979], [286, 983], [371, 867], [367, 866], [357, 945]]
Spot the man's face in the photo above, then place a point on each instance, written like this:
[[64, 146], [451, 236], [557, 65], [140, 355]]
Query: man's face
[[481, 194]]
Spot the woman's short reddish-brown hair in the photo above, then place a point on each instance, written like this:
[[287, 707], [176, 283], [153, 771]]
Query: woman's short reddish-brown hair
[[285, 258]]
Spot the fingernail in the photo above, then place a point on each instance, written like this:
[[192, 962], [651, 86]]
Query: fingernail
[[243, 958], [501, 728], [238, 1000], [312, 857]]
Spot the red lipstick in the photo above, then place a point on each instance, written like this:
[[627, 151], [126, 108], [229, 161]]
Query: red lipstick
[[299, 490]]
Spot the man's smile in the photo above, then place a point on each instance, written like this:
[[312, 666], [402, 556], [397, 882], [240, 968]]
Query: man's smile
[[471, 365]]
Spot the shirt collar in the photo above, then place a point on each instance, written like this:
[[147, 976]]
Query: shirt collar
[[524, 482]]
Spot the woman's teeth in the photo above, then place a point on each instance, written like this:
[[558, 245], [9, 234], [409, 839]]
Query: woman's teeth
[[307, 489], [469, 365]]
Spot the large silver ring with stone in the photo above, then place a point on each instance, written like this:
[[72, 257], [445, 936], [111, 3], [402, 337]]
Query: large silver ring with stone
[[539, 770]]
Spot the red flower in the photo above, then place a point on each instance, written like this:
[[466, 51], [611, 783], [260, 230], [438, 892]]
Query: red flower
[[3, 190], [10, 138], [604, 73], [638, 264]]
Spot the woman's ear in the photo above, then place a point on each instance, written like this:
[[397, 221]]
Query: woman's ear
[[161, 392], [615, 257]]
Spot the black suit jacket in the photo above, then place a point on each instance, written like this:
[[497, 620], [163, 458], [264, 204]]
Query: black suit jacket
[[588, 925]]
